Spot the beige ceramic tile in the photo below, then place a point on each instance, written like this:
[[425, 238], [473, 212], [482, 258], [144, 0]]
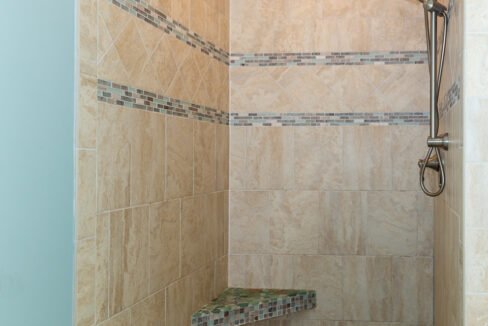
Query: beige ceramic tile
[[249, 221], [477, 11], [179, 302], [476, 313], [128, 274], [181, 11], [372, 147], [85, 282], [476, 203], [409, 143], [86, 198], [205, 167], [222, 149], [102, 266], [250, 271], [198, 21], [392, 223], [318, 158], [151, 311], [255, 90], [448, 275], [113, 158], [476, 49], [294, 222], [112, 68], [425, 228], [238, 153], [193, 249], [221, 274], [161, 68], [130, 48], [87, 112], [367, 288], [476, 140], [163, 5], [269, 158], [342, 223], [147, 135], [179, 153], [202, 231], [122, 319], [325, 274], [87, 42], [477, 260], [202, 284], [226, 213], [213, 230], [412, 290], [164, 244]]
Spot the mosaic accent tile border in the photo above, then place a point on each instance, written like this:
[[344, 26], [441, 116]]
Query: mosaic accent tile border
[[328, 119], [332, 58], [451, 98], [153, 16], [134, 98], [244, 306]]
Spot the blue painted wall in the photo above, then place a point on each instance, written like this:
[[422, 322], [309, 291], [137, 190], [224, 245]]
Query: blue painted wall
[[36, 162]]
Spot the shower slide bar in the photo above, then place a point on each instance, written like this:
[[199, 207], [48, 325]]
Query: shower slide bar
[[433, 160]]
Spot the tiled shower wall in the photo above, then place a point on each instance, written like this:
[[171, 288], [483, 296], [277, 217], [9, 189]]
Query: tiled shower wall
[[449, 206], [476, 162], [152, 160], [324, 147]]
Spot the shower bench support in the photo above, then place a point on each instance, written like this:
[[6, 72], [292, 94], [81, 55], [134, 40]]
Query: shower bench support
[[236, 306]]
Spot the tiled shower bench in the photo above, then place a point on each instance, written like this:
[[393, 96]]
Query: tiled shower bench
[[237, 306]]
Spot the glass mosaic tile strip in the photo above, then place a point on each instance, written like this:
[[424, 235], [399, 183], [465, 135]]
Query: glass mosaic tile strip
[[130, 97], [451, 98], [237, 306], [331, 58], [329, 119], [153, 16]]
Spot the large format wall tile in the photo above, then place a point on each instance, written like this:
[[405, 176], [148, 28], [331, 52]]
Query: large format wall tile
[[131, 155], [313, 25], [113, 159], [367, 288], [285, 222], [128, 272], [318, 157], [268, 159], [412, 295], [205, 155], [294, 222], [150, 311], [86, 198], [342, 223], [164, 242], [372, 148], [329, 88], [85, 287], [392, 223], [179, 149], [147, 158]]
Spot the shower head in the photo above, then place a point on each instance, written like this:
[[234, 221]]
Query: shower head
[[434, 6]]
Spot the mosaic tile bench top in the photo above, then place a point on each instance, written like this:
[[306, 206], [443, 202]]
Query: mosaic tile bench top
[[237, 306]]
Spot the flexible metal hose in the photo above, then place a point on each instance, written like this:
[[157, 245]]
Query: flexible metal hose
[[435, 118]]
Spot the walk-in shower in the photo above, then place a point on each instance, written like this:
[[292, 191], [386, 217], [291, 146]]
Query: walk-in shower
[[433, 160]]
